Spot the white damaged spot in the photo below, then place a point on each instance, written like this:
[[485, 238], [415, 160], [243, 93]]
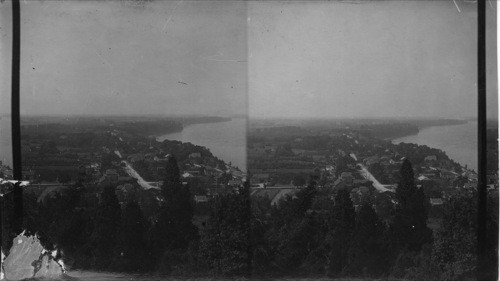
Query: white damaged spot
[[27, 258]]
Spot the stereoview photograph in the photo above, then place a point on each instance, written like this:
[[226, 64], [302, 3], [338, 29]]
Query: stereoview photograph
[[246, 140]]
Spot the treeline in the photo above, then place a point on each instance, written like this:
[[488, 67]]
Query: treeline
[[202, 119], [95, 231], [182, 151], [397, 129], [152, 127], [421, 123], [161, 126], [388, 131], [277, 133], [310, 234], [138, 126], [417, 153]]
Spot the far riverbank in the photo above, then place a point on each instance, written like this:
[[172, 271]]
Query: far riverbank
[[459, 142], [226, 140]]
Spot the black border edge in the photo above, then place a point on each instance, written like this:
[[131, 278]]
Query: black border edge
[[481, 137], [15, 114], [15, 102]]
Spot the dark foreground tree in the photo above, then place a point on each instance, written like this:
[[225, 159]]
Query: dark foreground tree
[[456, 242], [225, 242], [410, 231], [453, 255], [341, 227], [173, 229], [172, 176], [297, 246], [367, 256], [261, 253], [130, 242], [292, 233], [107, 223]]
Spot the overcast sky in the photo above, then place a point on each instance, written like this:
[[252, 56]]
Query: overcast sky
[[133, 57], [278, 59], [366, 59]]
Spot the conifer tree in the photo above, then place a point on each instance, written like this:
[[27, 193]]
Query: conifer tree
[[174, 228], [172, 182], [454, 249], [342, 225], [107, 222], [410, 229], [406, 187], [130, 239], [297, 245], [305, 198], [225, 244], [367, 254]]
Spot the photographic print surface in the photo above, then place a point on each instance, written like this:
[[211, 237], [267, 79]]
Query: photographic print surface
[[362, 139], [247, 139], [133, 125]]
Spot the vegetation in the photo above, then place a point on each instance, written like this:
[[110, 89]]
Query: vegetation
[[316, 232], [309, 234]]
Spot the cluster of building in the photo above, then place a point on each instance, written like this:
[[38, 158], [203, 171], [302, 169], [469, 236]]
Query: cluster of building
[[364, 167], [109, 156], [196, 170]]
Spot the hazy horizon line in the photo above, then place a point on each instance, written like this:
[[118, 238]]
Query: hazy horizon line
[[126, 115], [367, 117], [469, 118]]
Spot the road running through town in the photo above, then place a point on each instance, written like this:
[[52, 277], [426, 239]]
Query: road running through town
[[133, 173], [367, 175]]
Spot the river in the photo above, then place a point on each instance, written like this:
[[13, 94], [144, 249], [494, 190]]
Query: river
[[458, 141], [226, 140]]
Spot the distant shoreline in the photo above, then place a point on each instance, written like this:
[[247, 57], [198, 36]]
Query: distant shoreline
[[210, 120], [420, 128], [224, 139], [456, 155]]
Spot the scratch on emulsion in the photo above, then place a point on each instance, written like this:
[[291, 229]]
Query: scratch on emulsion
[[458, 8], [170, 16]]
